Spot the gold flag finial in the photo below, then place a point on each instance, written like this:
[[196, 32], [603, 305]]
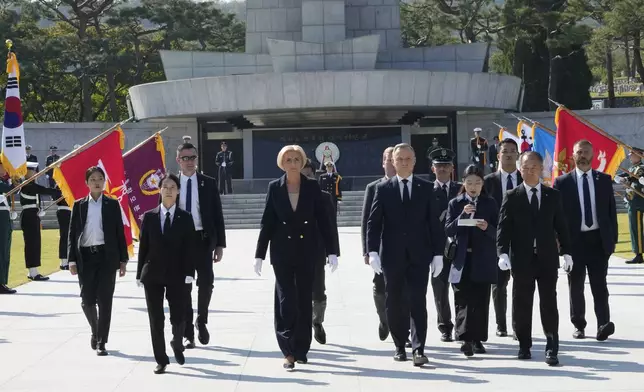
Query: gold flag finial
[[9, 43]]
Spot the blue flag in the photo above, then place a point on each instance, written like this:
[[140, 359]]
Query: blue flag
[[544, 144]]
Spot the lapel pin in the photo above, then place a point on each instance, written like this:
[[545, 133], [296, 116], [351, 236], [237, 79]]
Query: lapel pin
[[201, 182]]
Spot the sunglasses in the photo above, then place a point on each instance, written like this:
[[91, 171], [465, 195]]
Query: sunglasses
[[188, 158]]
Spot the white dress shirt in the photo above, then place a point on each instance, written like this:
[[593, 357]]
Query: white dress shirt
[[164, 211], [196, 210], [93, 231], [504, 180], [580, 191], [401, 184], [440, 184]]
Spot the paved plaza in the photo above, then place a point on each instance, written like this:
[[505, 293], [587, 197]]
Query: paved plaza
[[44, 340]]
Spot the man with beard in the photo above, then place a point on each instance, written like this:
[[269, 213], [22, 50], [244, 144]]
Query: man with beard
[[589, 204]]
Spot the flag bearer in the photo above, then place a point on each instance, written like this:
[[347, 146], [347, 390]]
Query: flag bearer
[[5, 235]]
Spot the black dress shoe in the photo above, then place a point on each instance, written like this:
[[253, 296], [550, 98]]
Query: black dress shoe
[[160, 369], [446, 337], [467, 349], [479, 348], [303, 360], [178, 349], [408, 343], [64, 268], [383, 331], [605, 331], [204, 335], [38, 278], [319, 333], [6, 290], [420, 359], [638, 259], [579, 334], [400, 355], [93, 343], [100, 351], [190, 343], [551, 359], [524, 354], [501, 333]]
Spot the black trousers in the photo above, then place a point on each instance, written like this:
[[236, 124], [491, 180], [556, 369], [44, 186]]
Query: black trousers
[[175, 294], [379, 283], [440, 286], [97, 279], [319, 276], [63, 217], [522, 301], [500, 299], [472, 307], [5, 246], [293, 312], [205, 284], [30, 224], [593, 259], [225, 181], [406, 294]]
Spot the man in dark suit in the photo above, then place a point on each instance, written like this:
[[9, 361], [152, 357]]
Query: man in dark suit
[[378, 279], [199, 196], [444, 190], [224, 161], [166, 265], [403, 222], [591, 213], [496, 185], [97, 249], [531, 221]]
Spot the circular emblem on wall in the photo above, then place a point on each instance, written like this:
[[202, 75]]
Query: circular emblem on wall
[[327, 152], [150, 181]]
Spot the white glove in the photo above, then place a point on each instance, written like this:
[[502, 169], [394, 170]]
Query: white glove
[[476, 159], [333, 262], [258, 266], [41, 213], [138, 283], [436, 266], [189, 279], [567, 266], [492, 165], [374, 262], [504, 262], [641, 180], [619, 179], [13, 215], [3, 198]]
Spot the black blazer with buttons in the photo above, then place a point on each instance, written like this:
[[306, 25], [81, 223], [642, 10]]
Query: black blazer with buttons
[[494, 186], [296, 235], [166, 258]]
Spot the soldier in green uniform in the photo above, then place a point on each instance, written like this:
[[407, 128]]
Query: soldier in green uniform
[[635, 203], [5, 234]]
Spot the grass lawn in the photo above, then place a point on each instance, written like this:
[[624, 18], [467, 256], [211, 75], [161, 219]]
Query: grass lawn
[[623, 248]]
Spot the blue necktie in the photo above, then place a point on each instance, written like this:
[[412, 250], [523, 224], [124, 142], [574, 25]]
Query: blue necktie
[[509, 184], [189, 195], [588, 208]]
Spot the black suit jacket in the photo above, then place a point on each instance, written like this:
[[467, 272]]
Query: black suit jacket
[[400, 229], [295, 235], [369, 193], [441, 202], [518, 228], [212, 216], [166, 258], [604, 204], [115, 244], [493, 186]]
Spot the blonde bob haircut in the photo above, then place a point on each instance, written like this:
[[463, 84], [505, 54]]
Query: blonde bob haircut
[[289, 148]]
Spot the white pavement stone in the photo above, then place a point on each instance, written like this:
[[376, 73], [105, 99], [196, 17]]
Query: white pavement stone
[[44, 340]]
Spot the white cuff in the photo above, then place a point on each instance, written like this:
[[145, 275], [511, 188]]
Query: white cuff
[[71, 264]]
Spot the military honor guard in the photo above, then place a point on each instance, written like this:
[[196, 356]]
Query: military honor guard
[[30, 222], [635, 203], [63, 215], [5, 234], [97, 249], [430, 150], [31, 157], [51, 158], [444, 190], [589, 203], [478, 148], [331, 182], [224, 161]]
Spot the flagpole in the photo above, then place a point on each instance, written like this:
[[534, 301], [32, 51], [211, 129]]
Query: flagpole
[[53, 203], [158, 133], [64, 158]]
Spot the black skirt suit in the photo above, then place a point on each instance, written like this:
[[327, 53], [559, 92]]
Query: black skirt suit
[[294, 237]]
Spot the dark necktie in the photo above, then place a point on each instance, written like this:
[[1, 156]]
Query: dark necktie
[[405, 191], [189, 195], [588, 207], [445, 191], [534, 202], [167, 224], [509, 184]]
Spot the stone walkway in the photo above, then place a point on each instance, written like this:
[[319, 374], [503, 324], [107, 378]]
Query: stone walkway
[[44, 340]]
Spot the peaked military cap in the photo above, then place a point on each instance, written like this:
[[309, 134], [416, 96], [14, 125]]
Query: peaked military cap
[[442, 155]]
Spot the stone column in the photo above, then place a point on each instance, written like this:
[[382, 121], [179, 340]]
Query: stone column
[[323, 21]]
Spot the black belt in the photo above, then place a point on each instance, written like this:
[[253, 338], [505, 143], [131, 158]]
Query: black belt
[[93, 249], [203, 234]]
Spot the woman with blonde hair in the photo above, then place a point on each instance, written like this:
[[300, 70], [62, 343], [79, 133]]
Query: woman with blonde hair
[[295, 219]]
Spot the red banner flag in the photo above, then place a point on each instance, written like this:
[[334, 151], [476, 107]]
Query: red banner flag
[[106, 154], [571, 128]]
